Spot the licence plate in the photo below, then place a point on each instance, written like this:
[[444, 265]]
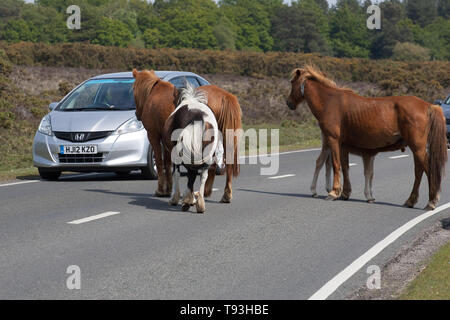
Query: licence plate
[[78, 149]]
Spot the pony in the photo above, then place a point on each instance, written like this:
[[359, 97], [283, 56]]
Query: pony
[[347, 119], [368, 157], [192, 137], [156, 100]]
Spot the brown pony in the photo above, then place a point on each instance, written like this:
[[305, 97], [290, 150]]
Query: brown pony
[[347, 119], [156, 100]]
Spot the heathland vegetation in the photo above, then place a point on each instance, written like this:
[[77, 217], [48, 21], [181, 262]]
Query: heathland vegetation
[[410, 30]]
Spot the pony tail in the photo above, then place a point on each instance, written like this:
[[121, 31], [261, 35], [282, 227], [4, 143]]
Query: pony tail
[[230, 118], [437, 148]]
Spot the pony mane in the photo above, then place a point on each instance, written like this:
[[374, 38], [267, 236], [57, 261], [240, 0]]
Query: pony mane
[[190, 94], [310, 71]]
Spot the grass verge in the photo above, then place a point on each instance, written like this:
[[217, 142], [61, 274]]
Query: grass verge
[[433, 283]]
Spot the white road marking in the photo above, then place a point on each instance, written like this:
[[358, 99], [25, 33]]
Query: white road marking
[[16, 183], [345, 274], [353, 164], [96, 217], [399, 157], [215, 189], [280, 153], [281, 177]]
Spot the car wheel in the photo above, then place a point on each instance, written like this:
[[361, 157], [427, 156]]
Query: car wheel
[[150, 172], [49, 175]]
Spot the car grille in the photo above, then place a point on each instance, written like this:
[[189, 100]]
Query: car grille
[[81, 136], [81, 158]]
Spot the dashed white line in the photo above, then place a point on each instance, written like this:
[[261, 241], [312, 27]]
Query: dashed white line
[[16, 183], [281, 177], [399, 157], [96, 217], [353, 164], [215, 189], [345, 274]]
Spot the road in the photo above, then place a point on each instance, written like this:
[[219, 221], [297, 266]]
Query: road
[[274, 241]]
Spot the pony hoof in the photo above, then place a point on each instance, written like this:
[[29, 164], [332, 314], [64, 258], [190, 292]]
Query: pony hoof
[[331, 198], [430, 207], [371, 201], [161, 194], [408, 204], [345, 197], [185, 207], [315, 195], [200, 206], [226, 198]]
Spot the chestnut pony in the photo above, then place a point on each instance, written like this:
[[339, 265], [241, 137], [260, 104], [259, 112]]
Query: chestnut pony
[[156, 100], [349, 120]]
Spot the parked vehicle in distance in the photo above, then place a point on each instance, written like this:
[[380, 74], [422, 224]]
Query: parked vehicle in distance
[[445, 104], [94, 128]]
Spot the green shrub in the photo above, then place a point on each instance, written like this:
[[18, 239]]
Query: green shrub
[[407, 51]]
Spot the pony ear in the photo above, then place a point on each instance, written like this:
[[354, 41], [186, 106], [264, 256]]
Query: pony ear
[[135, 73]]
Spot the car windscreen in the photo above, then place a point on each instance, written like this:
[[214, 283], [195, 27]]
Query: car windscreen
[[447, 101], [101, 95]]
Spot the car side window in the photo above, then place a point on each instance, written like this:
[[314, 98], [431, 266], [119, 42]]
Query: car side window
[[178, 82], [202, 82], [193, 81]]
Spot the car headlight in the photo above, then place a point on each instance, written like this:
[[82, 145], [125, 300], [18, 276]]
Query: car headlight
[[131, 125], [45, 126]]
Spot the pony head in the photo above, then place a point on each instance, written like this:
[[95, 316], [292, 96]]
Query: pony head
[[298, 83], [142, 88], [296, 95]]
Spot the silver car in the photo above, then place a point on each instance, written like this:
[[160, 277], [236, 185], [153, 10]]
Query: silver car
[[94, 128]]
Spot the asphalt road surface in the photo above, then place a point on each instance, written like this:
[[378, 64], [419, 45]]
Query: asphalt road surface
[[274, 241]]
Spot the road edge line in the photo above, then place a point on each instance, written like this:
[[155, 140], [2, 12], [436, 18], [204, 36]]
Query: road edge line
[[331, 286]]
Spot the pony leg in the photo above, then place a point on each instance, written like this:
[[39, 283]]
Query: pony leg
[[328, 167], [188, 197], [324, 154], [368, 175], [175, 187], [210, 181], [347, 191], [419, 168], [335, 153], [228, 193], [155, 141], [200, 204], [168, 171]]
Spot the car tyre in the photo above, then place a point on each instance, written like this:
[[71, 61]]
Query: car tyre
[[49, 175], [149, 172]]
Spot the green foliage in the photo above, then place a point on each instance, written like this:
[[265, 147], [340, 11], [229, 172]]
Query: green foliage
[[303, 27], [248, 25], [349, 34], [410, 52], [112, 32]]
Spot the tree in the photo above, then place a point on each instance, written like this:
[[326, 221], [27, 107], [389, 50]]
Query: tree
[[251, 23], [392, 30], [349, 34], [301, 27], [112, 33], [225, 34], [443, 8], [422, 12]]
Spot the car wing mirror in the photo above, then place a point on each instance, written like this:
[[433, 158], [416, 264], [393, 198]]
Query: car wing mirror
[[53, 105]]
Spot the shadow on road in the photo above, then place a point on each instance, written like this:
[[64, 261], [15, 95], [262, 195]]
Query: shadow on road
[[308, 196], [144, 200]]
